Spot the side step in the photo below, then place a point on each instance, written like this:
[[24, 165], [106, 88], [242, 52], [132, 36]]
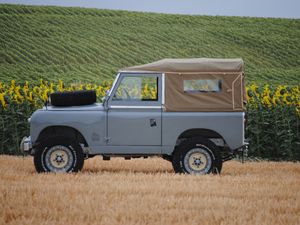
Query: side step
[[126, 157], [106, 158]]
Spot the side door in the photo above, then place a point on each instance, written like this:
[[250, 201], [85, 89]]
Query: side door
[[134, 112]]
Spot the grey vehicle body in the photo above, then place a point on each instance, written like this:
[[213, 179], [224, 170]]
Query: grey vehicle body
[[135, 128], [125, 127]]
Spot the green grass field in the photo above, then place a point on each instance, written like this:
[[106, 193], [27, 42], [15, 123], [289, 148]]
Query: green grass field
[[90, 45]]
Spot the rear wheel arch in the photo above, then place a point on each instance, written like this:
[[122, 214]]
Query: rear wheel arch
[[65, 131], [198, 133]]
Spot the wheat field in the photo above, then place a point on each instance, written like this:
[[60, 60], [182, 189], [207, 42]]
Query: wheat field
[[146, 191]]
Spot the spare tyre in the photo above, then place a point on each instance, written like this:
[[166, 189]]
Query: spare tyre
[[73, 98]]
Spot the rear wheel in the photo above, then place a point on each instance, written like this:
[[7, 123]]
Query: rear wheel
[[197, 156], [59, 155]]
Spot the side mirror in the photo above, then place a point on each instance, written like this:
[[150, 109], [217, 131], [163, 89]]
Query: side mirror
[[104, 99]]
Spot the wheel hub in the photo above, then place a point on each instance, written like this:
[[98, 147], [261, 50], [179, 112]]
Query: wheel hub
[[197, 160], [59, 158]]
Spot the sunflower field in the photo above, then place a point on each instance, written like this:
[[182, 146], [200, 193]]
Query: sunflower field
[[18, 102], [273, 115], [273, 126]]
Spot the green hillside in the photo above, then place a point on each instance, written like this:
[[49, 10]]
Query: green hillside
[[90, 45]]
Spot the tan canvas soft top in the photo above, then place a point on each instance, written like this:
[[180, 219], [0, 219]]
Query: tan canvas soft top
[[179, 73], [191, 65]]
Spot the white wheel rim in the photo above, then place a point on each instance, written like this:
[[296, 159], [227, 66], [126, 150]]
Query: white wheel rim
[[59, 158], [198, 160]]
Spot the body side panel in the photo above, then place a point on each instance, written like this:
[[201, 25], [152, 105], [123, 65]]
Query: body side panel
[[133, 127], [230, 125]]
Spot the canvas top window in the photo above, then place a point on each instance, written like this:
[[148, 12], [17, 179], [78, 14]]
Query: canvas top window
[[202, 85]]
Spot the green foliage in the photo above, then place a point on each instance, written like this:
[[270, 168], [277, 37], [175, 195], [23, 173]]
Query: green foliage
[[14, 126], [274, 133], [88, 45]]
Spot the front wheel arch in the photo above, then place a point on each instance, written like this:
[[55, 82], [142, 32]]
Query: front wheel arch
[[66, 131]]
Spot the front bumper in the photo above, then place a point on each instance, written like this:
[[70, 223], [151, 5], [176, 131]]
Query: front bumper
[[26, 144]]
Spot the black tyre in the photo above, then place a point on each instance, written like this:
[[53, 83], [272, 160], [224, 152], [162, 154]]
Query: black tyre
[[197, 156], [59, 154], [73, 98], [168, 157]]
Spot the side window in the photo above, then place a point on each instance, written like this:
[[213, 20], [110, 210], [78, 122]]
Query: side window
[[202, 85], [137, 88]]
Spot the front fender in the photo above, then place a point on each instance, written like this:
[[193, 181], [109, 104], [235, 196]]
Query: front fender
[[91, 124]]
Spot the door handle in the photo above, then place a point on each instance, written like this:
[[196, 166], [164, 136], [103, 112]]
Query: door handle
[[153, 123]]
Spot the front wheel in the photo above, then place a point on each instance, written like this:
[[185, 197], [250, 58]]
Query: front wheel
[[59, 155], [197, 156]]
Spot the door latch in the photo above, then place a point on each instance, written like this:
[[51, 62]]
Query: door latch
[[106, 139], [153, 123]]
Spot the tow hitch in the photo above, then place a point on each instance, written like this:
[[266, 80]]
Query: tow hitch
[[243, 152]]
